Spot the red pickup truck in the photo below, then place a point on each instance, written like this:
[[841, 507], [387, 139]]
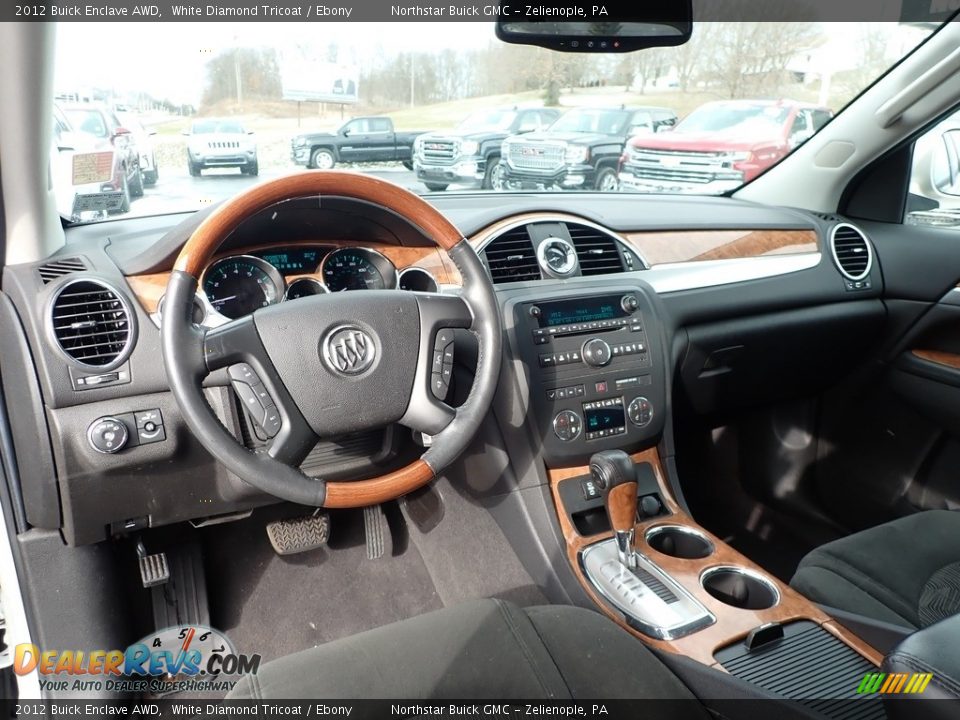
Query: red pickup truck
[[719, 146]]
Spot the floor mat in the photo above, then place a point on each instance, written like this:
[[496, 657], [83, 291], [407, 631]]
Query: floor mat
[[275, 605], [467, 554]]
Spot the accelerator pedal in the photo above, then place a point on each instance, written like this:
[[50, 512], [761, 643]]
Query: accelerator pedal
[[377, 531], [297, 535]]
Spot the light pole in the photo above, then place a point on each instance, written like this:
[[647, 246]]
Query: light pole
[[413, 75], [236, 69]]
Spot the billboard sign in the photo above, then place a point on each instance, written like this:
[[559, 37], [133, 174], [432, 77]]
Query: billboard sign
[[304, 75]]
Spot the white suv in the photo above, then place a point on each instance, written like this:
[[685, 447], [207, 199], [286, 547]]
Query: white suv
[[221, 143]]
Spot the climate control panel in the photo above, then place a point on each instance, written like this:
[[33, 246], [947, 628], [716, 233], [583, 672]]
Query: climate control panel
[[596, 368]]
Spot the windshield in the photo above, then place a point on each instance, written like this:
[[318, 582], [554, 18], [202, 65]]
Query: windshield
[[212, 108], [213, 127], [487, 120], [733, 117], [610, 122], [89, 122]]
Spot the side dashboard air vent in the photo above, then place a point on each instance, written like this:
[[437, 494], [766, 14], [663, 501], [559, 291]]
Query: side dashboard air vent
[[598, 252], [512, 258], [58, 268], [92, 323], [851, 251]]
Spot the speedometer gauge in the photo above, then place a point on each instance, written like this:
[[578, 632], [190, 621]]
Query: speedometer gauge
[[357, 269], [236, 286]]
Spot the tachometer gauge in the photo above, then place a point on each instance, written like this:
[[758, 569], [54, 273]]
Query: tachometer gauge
[[357, 269], [236, 286]]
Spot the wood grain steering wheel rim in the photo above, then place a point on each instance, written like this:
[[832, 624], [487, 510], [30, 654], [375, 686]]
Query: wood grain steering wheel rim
[[188, 350]]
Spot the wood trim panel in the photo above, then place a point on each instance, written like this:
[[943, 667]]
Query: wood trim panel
[[687, 246], [732, 624], [947, 359], [206, 239], [151, 287], [682, 245], [361, 493]]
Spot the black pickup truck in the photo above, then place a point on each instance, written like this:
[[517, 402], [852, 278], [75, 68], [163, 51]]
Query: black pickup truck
[[580, 151], [469, 155], [362, 139]]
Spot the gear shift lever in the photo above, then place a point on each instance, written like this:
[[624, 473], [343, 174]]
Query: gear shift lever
[[614, 475]]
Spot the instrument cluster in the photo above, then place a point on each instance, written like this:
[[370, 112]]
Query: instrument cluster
[[241, 284]]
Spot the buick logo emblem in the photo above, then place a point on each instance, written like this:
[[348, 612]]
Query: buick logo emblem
[[349, 350]]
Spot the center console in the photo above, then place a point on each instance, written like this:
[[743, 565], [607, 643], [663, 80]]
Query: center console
[[596, 369]]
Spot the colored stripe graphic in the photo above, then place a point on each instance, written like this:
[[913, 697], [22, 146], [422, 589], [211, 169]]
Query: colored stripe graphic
[[894, 683]]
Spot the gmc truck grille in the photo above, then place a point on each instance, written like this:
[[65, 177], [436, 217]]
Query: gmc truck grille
[[536, 156], [688, 167], [439, 152]]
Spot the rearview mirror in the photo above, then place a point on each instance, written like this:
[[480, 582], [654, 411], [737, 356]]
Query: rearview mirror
[[665, 23]]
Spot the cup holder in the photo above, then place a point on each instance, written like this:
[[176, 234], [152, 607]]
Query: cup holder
[[740, 588], [679, 542]]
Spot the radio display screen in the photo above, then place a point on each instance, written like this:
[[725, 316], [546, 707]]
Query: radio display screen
[[604, 418], [581, 310]]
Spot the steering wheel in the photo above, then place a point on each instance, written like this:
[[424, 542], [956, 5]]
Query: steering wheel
[[334, 363]]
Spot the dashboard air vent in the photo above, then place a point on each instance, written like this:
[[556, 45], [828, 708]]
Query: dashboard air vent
[[597, 251], [851, 251], [511, 257], [58, 268], [91, 323]]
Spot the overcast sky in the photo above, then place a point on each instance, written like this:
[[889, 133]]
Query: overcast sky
[[169, 59]]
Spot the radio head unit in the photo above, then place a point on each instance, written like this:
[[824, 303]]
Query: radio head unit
[[596, 371]]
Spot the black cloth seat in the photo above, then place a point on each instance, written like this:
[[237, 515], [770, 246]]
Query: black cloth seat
[[905, 572], [485, 649]]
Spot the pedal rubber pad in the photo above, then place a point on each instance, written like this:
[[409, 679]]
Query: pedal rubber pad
[[298, 535], [377, 531], [154, 569]]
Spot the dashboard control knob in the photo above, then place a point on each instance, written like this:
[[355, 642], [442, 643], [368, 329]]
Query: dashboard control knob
[[535, 312], [640, 411], [596, 352], [629, 303], [567, 425], [107, 435]]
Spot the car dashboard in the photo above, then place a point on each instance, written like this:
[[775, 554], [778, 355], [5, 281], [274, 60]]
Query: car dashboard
[[601, 297]]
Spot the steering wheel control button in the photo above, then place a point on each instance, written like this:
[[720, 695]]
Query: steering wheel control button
[[640, 411], [108, 435], [271, 421], [442, 370], [596, 352], [256, 400], [567, 425], [244, 373]]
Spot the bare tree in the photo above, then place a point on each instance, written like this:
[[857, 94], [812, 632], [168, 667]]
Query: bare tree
[[748, 59]]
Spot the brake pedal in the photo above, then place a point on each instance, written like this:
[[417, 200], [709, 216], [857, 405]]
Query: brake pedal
[[298, 535], [154, 569], [377, 532]]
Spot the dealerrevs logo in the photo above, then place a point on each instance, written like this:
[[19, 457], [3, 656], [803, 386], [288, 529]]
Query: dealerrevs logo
[[187, 651]]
